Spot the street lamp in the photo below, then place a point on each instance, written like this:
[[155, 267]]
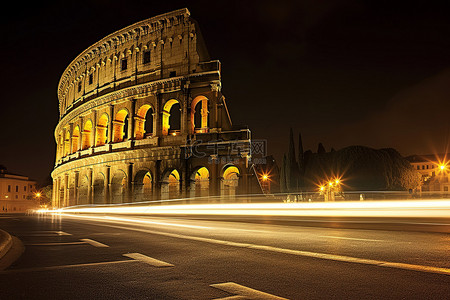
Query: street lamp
[[265, 182], [330, 189]]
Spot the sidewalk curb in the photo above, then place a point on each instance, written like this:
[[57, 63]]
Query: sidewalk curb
[[5, 243], [14, 253]]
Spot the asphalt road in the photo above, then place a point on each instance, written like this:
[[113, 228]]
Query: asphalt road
[[213, 257]]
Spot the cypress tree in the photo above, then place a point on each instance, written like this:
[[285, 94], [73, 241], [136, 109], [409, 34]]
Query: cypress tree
[[301, 161], [321, 149], [283, 188], [292, 166]]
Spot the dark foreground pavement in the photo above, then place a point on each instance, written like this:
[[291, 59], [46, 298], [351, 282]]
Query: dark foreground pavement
[[131, 257]]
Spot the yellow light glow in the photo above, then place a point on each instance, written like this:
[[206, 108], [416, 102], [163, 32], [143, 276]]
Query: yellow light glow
[[330, 183], [265, 177], [442, 167], [392, 208], [337, 181], [322, 188], [37, 195], [174, 133]]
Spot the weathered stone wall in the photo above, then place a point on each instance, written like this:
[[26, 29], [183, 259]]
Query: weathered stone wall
[[118, 139]]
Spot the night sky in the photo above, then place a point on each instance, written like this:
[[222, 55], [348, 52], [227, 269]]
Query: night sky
[[373, 73]]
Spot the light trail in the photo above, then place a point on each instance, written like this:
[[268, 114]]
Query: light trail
[[394, 208]]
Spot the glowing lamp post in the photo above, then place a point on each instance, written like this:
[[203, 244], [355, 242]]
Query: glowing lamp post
[[265, 183], [328, 190]]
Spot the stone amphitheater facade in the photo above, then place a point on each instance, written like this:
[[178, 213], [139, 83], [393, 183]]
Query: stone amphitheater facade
[[142, 117]]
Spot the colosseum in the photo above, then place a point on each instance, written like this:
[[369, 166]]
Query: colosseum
[[142, 118]]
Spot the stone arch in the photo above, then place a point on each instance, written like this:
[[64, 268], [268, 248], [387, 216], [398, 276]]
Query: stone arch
[[143, 186], [71, 200], [75, 139], [144, 121], [86, 137], [199, 115], [230, 180], [83, 190], [171, 118], [60, 146], [99, 188], [118, 187], [170, 184], [199, 182], [120, 125], [102, 130], [67, 143]]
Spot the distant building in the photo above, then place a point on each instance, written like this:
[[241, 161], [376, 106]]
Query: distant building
[[435, 171], [16, 192]]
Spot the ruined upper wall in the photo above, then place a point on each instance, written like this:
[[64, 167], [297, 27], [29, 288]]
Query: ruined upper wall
[[168, 45]]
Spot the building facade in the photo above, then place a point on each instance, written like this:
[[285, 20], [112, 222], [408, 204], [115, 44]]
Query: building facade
[[434, 171], [16, 192], [142, 117]]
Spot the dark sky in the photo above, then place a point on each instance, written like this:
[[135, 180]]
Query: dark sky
[[374, 73]]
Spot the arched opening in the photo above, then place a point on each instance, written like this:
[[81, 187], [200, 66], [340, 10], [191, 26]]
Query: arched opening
[[170, 185], [143, 186], [83, 190], [86, 135], [200, 182], [120, 125], [60, 147], [67, 143], [102, 130], [144, 122], [171, 121], [71, 200], [99, 189], [75, 139], [118, 187], [230, 181], [199, 115]]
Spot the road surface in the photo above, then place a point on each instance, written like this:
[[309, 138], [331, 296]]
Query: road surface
[[86, 256]]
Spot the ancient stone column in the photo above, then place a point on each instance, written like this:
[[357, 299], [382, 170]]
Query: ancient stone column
[[76, 179], [129, 196]]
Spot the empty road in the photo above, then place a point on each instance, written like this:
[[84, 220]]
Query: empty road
[[88, 256]]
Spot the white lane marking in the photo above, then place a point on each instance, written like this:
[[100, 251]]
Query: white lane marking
[[243, 292], [45, 233], [94, 243], [57, 244], [363, 222], [148, 260], [62, 233], [66, 266], [237, 297], [380, 263], [348, 238], [154, 222]]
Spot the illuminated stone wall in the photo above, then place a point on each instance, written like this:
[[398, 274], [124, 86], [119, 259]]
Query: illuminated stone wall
[[141, 111]]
